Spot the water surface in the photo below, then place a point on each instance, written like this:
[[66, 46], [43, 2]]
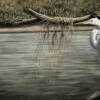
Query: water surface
[[29, 71]]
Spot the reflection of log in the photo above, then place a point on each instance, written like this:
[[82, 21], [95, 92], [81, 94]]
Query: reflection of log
[[58, 20]]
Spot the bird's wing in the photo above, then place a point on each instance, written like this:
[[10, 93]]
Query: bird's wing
[[93, 39], [98, 41]]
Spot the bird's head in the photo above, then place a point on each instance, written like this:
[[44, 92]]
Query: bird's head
[[93, 21]]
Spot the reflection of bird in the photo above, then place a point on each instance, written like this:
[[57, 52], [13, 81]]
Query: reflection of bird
[[95, 35]]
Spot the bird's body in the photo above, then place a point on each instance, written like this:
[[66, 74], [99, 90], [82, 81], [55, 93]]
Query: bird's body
[[95, 35], [94, 38]]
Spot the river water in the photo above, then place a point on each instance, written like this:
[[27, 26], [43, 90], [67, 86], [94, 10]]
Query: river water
[[31, 71]]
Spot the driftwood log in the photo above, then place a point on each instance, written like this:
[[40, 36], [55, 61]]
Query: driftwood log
[[59, 20], [20, 22]]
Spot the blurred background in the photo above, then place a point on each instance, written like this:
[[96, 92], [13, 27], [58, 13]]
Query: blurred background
[[13, 9]]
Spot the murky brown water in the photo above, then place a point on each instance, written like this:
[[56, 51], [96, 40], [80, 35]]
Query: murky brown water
[[29, 71]]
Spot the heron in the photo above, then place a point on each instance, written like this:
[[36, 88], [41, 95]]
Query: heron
[[95, 35]]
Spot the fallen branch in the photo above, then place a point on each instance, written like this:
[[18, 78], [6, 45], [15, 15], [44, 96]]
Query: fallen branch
[[58, 20], [21, 22]]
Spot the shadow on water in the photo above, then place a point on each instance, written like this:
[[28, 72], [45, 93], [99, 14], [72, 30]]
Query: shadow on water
[[68, 72]]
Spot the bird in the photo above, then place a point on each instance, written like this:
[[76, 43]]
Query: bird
[[95, 35]]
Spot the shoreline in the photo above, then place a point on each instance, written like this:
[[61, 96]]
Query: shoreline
[[42, 28]]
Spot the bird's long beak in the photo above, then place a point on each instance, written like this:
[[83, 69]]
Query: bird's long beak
[[84, 23], [87, 22]]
